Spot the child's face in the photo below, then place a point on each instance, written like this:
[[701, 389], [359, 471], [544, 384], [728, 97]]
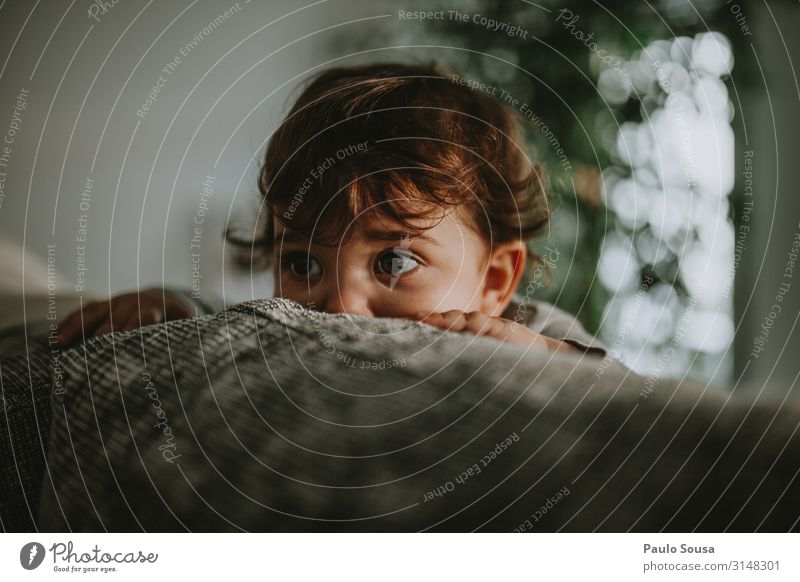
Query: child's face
[[448, 266]]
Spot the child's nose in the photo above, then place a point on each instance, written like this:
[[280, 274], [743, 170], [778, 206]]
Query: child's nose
[[348, 300]]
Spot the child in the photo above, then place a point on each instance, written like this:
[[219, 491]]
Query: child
[[392, 191]]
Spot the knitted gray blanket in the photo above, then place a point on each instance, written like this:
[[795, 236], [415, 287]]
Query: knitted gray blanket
[[269, 417]]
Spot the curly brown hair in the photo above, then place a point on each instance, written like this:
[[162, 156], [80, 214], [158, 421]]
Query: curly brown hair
[[409, 140]]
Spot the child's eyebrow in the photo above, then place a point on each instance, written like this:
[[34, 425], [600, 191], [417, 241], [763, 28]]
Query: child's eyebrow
[[399, 235], [288, 237]]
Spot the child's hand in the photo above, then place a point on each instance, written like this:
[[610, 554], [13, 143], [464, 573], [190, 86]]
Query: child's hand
[[121, 313], [498, 328]]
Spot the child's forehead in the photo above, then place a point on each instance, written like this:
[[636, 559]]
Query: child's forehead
[[440, 229]]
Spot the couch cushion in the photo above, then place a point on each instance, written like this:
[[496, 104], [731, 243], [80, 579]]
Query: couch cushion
[[268, 417], [26, 385]]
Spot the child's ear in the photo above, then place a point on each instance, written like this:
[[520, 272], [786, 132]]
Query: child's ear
[[504, 269]]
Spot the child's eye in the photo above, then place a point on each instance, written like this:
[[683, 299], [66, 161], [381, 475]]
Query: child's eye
[[396, 262], [301, 265]]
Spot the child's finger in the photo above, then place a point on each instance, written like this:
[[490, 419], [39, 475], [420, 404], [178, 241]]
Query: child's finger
[[459, 321], [431, 318], [452, 320], [120, 312], [69, 328], [147, 316], [81, 322], [104, 328], [124, 318], [177, 310], [129, 324], [137, 319], [527, 336], [478, 323]]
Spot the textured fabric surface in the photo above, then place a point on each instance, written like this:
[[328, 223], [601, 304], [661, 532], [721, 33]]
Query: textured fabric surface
[[268, 417], [25, 396], [539, 316]]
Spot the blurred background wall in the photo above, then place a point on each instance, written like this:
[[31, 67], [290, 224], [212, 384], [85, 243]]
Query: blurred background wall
[[767, 300], [129, 110], [669, 130]]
